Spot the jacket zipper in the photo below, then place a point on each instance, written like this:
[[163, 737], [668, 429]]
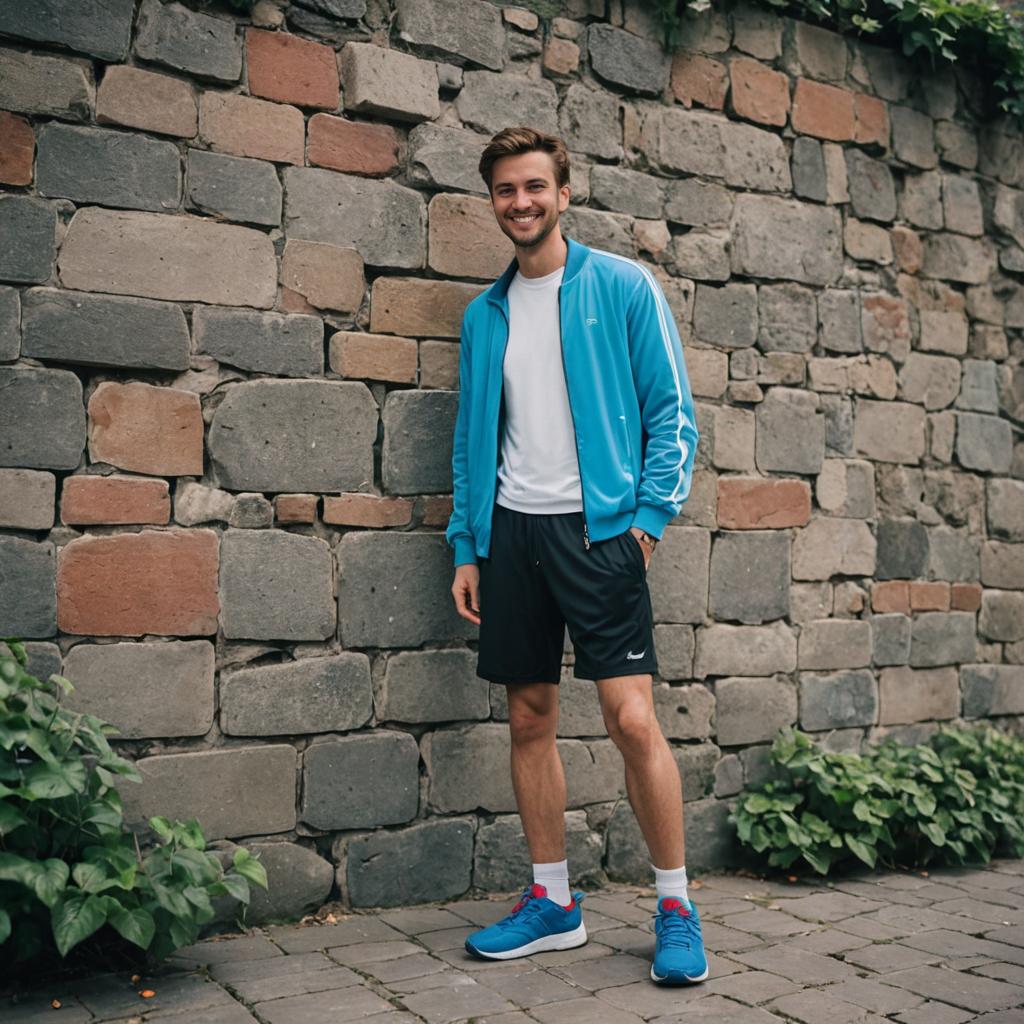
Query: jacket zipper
[[579, 466]]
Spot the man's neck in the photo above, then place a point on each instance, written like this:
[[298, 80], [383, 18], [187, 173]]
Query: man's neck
[[543, 259]]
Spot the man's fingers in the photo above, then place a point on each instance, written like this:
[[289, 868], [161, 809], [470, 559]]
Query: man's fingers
[[460, 591]]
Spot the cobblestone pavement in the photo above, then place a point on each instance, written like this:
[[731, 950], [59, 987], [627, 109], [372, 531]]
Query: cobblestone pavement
[[942, 948]]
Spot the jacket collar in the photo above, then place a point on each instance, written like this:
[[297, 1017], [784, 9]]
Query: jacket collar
[[574, 259]]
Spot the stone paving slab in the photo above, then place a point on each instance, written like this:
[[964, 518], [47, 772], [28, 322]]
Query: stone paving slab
[[945, 947]]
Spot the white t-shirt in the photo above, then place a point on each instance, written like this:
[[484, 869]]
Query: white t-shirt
[[538, 470]]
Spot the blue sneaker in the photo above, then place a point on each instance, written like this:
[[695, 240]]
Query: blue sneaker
[[535, 925], [679, 957]]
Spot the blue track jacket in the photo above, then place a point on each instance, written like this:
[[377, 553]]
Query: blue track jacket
[[628, 393]]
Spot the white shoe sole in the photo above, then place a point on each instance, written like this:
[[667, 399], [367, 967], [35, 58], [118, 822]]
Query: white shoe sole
[[688, 980], [563, 940]]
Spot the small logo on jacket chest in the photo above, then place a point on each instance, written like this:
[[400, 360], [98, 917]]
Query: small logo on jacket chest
[[591, 320]]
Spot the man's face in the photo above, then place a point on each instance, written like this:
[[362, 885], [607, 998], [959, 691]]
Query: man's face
[[526, 198]]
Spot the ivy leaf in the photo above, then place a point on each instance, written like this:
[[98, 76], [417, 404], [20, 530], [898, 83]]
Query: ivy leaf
[[50, 880], [137, 926], [249, 867], [5, 926], [75, 917], [861, 850]]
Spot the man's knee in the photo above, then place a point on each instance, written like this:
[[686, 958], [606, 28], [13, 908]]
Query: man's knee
[[633, 726], [532, 717]]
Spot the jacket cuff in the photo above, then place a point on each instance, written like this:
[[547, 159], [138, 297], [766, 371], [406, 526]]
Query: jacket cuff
[[465, 551], [652, 519]]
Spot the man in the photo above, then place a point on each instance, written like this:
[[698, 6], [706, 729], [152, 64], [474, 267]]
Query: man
[[573, 448]]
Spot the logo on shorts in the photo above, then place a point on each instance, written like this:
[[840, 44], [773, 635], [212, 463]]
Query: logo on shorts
[[633, 657], [591, 320]]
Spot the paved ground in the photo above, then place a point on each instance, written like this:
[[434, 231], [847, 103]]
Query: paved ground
[[946, 948]]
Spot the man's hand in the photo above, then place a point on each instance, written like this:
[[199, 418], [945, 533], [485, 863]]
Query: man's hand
[[644, 547], [466, 591]]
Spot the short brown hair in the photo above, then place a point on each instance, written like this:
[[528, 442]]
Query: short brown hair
[[520, 139]]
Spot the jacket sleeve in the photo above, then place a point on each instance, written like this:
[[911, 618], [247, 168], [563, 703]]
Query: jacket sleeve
[[458, 534], [666, 406]]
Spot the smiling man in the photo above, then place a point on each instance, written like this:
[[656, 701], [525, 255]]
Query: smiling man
[[573, 448]]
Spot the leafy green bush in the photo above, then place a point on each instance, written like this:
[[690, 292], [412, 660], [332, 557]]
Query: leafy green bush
[[955, 800], [68, 866], [978, 33]]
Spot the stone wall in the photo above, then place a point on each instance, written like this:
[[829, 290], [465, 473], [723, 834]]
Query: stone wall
[[234, 256]]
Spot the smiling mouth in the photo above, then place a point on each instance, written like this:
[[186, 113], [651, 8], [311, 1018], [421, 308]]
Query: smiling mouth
[[529, 218]]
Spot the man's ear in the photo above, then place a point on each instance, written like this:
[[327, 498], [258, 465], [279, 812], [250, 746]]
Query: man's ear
[[563, 193]]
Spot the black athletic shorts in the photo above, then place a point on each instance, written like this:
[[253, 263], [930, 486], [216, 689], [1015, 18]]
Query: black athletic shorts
[[539, 578]]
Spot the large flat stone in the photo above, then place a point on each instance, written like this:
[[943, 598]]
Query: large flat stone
[[432, 686], [460, 29], [101, 28], [285, 345]]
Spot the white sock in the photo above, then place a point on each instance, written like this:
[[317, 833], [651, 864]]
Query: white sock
[[671, 883], [555, 878]]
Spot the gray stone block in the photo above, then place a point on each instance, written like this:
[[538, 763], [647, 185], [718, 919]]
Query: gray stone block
[[921, 200], [42, 418], [834, 643], [787, 318], [28, 597], [43, 658], [952, 555], [419, 864], [28, 229], [872, 193], [978, 388], [27, 499], [752, 710], [808, 169], [790, 432], [593, 771], [908, 695], [750, 576], [678, 577], [241, 791], [992, 690], [726, 316], [612, 232], [10, 324], [625, 191], [469, 768], [101, 28], [674, 646], [463, 29], [841, 700], [1002, 565], [942, 638], [913, 137], [1005, 508], [828, 547], [487, 97], [697, 203], [36, 83], [432, 686], [724, 650], [385, 222], [384, 82], [276, 435], [626, 60], [299, 882], [1002, 616], [146, 690], [394, 590], [684, 712], [275, 585], [839, 320], [445, 157], [251, 512], [890, 635], [311, 695], [902, 552], [287, 345], [171, 34], [360, 781], [697, 768], [418, 431], [983, 443], [101, 330], [589, 122], [234, 188], [111, 168]]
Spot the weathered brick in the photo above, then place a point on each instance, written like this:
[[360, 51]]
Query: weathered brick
[[327, 276], [16, 150], [729, 433], [388, 83], [965, 597], [254, 794], [759, 93], [846, 487], [233, 187], [146, 429], [146, 100], [908, 695], [26, 499], [295, 508], [373, 356], [744, 650], [902, 549], [244, 126], [36, 83], [251, 511], [1002, 616], [443, 157], [726, 316], [623, 59], [913, 137], [291, 346], [561, 57], [367, 510], [435, 510], [1005, 508], [872, 193], [101, 28], [885, 324], [88, 500], [739, 591], [432, 686], [467, 768], [824, 111], [42, 418], [28, 603], [787, 319], [746, 503], [27, 239], [891, 596], [954, 257], [355, 147], [463, 29], [311, 695], [979, 387], [942, 638], [678, 577], [708, 371], [178, 258], [289, 69], [983, 443], [867, 242], [752, 710], [834, 643], [828, 547], [385, 222], [418, 426], [908, 248], [273, 435], [890, 634], [76, 327], [171, 34], [992, 690], [276, 585], [841, 700], [129, 584], [410, 306], [698, 79], [790, 432], [872, 120], [889, 431], [146, 690], [464, 240], [929, 596], [674, 645], [932, 381], [817, 52]]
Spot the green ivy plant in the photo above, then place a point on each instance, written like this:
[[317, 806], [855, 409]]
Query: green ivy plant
[[955, 800], [68, 864], [978, 33]]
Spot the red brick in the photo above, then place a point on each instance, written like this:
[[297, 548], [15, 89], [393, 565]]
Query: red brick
[[146, 429], [437, 509], [17, 148], [748, 503], [872, 120], [295, 508], [130, 584], [373, 357], [148, 101], [439, 365], [885, 321], [906, 244], [759, 93], [965, 597], [928, 596], [86, 500], [288, 69], [824, 111], [355, 147], [244, 126], [366, 510], [697, 79], [891, 596]]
